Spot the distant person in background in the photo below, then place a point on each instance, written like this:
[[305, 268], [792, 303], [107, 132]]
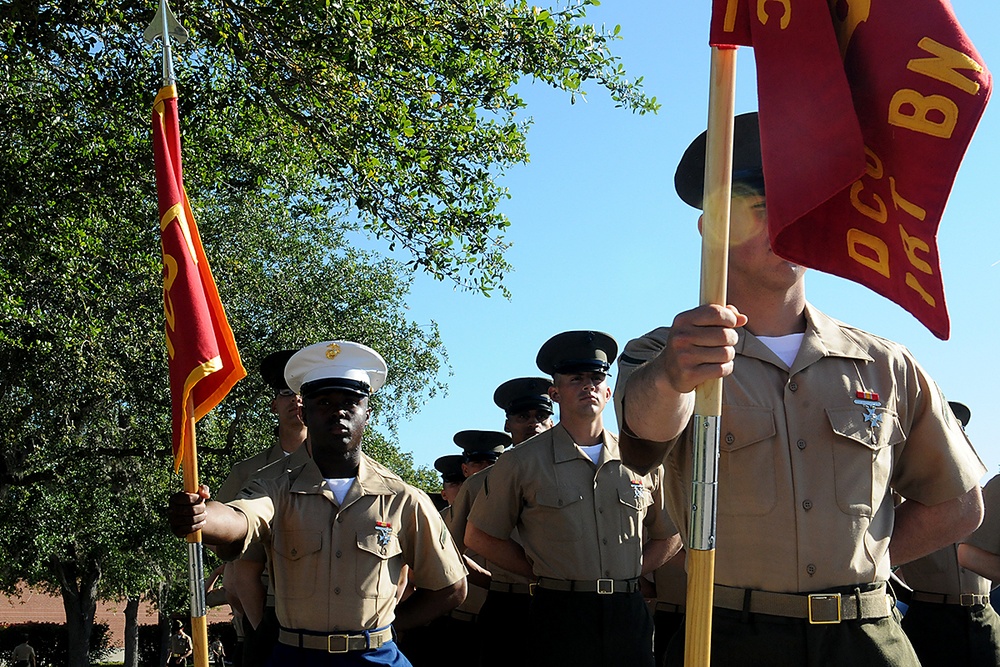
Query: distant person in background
[[526, 405], [950, 620], [23, 654], [216, 652], [180, 646], [453, 639]]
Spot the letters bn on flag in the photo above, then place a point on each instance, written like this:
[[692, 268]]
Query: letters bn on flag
[[866, 110], [204, 363]]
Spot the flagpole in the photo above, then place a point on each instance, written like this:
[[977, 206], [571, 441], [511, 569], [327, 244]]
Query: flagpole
[[196, 563], [708, 396], [164, 25]]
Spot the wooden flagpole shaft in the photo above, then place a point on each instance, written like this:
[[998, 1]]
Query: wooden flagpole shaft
[[708, 396], [196, 563]]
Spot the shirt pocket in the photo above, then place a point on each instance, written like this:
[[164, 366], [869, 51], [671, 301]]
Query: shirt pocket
[[559, 510], [633, 501], [747, 482], [378, 566], [297, 555], [862, 456]]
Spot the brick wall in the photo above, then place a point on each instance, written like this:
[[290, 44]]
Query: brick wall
[[39, 607]]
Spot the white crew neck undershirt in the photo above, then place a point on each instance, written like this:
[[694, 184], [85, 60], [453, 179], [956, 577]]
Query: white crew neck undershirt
[[340, 486], [593, 452], [785, 347]]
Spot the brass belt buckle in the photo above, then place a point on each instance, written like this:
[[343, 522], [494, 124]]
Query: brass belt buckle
[[336, 644], [824, 608], [968, 599], [605, 586], [531, 587]]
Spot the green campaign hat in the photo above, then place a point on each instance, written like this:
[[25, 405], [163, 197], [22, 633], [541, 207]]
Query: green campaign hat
[[689, 180]]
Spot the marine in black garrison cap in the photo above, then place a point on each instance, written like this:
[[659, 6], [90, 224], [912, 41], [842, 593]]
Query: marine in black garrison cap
[[527, 405]]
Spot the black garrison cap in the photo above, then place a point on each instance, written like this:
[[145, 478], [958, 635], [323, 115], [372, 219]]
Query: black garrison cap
[[523, 394], [576, 351]]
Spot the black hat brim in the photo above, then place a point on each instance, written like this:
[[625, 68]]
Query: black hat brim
[[689, 179]]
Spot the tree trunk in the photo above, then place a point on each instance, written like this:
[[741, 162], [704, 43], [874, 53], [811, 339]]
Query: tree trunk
[[79, 593], [163, 621], [132, 633]]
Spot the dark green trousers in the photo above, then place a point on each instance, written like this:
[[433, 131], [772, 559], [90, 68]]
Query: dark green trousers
[[944, 635], [590, 630], [749, 640], [503, 629]]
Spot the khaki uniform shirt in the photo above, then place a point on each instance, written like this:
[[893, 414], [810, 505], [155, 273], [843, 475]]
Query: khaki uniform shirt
[[806, 474], [940, 572], [987, 536], [576, 520], [458, 519], [180, 644], [246, 470], [336, 566], [269, 464], [475, 596], [671, 584]]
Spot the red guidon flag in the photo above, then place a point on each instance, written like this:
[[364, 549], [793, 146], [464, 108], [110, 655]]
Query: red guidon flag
[[866, 110], [203, 359]]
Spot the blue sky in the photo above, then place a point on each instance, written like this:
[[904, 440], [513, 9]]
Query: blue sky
[[601, 241]]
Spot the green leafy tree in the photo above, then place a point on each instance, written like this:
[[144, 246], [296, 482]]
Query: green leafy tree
[[305, 127]]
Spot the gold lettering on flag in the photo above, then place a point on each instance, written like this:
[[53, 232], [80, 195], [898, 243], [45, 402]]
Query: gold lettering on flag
[[177, 212], [170, 272], [934, 115], [873, 252], [943, 65], [729, 23], [786, 14], [899, 203], [879, 262]]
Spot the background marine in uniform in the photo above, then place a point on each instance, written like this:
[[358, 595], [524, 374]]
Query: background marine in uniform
[[503, 616], [588, 526], [246, 581], [949, 619]]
